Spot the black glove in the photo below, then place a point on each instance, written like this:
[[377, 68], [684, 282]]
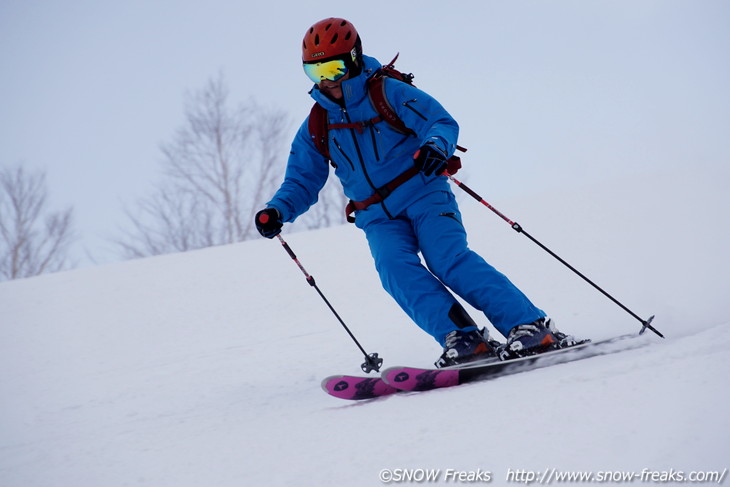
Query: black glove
[[430, 159], [268, 222]]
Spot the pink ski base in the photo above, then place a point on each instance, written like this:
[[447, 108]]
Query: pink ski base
[[410, 379], [356, 388]]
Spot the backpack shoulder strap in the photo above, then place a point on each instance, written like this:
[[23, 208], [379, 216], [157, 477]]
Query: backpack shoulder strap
[[379, 100], [318, 123], [319, 130], [376, 93]]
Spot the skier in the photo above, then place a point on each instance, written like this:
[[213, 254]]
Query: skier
[[419, 215]]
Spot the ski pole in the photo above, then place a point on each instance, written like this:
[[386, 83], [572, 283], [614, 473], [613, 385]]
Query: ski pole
[[372, 361], [518, 228]]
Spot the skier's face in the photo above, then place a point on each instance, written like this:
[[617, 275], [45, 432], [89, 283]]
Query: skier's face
[[333, 89]]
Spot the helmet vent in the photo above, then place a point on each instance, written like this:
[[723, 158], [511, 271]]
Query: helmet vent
[[329, 38]]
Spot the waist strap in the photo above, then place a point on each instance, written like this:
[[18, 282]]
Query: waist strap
[[380, 194], [453, 165]]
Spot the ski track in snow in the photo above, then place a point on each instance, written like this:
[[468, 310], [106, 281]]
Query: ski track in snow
[[204, 368]]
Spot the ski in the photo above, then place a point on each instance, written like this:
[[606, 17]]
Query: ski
[[357, 388], [413, 379], [422, 379]]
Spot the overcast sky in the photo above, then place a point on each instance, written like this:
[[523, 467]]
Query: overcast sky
[[547, 93]]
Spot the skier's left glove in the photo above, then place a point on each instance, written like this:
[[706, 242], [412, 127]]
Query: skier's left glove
[[268, 222], [430, 159]]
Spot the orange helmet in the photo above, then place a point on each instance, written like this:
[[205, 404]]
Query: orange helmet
[[331, 38]]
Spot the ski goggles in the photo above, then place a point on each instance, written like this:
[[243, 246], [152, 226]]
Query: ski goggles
[[329, 70]]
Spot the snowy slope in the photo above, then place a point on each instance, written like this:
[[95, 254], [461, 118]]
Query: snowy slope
[[203, 369]]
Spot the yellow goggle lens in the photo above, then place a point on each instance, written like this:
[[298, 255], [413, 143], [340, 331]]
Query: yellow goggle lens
[[330, 70]]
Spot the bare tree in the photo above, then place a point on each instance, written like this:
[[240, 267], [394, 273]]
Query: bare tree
[[32, 241], [219, 169]]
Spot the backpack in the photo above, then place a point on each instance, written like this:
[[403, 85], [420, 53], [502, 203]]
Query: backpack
[[319, 125]]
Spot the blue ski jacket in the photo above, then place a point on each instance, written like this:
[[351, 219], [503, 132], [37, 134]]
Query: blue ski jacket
[[368, 159]]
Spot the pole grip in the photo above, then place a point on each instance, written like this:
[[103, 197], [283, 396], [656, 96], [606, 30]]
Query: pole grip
[[287, 248]]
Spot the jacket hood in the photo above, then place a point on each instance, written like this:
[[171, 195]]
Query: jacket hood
[[354, 90]]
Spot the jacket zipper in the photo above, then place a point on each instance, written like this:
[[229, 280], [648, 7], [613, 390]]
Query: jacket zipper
[[359, 152], [451, 215], [375, 144], [406, 104], [337, 144]]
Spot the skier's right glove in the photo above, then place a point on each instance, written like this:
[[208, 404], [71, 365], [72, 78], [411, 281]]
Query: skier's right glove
[[268, 222], [429, 159]]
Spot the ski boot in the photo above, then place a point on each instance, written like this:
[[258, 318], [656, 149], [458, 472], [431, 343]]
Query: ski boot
[[537, 337], [467, 346]]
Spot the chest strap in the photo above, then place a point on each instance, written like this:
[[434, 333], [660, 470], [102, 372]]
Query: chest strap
[[359, 126]]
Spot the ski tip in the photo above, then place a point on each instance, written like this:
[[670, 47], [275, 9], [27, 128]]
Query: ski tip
[[327, 381]]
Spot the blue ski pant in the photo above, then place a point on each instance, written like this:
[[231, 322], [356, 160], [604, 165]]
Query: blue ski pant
[[432, 226]]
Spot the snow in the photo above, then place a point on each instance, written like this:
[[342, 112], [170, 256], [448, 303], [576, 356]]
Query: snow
[[204, 368]]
